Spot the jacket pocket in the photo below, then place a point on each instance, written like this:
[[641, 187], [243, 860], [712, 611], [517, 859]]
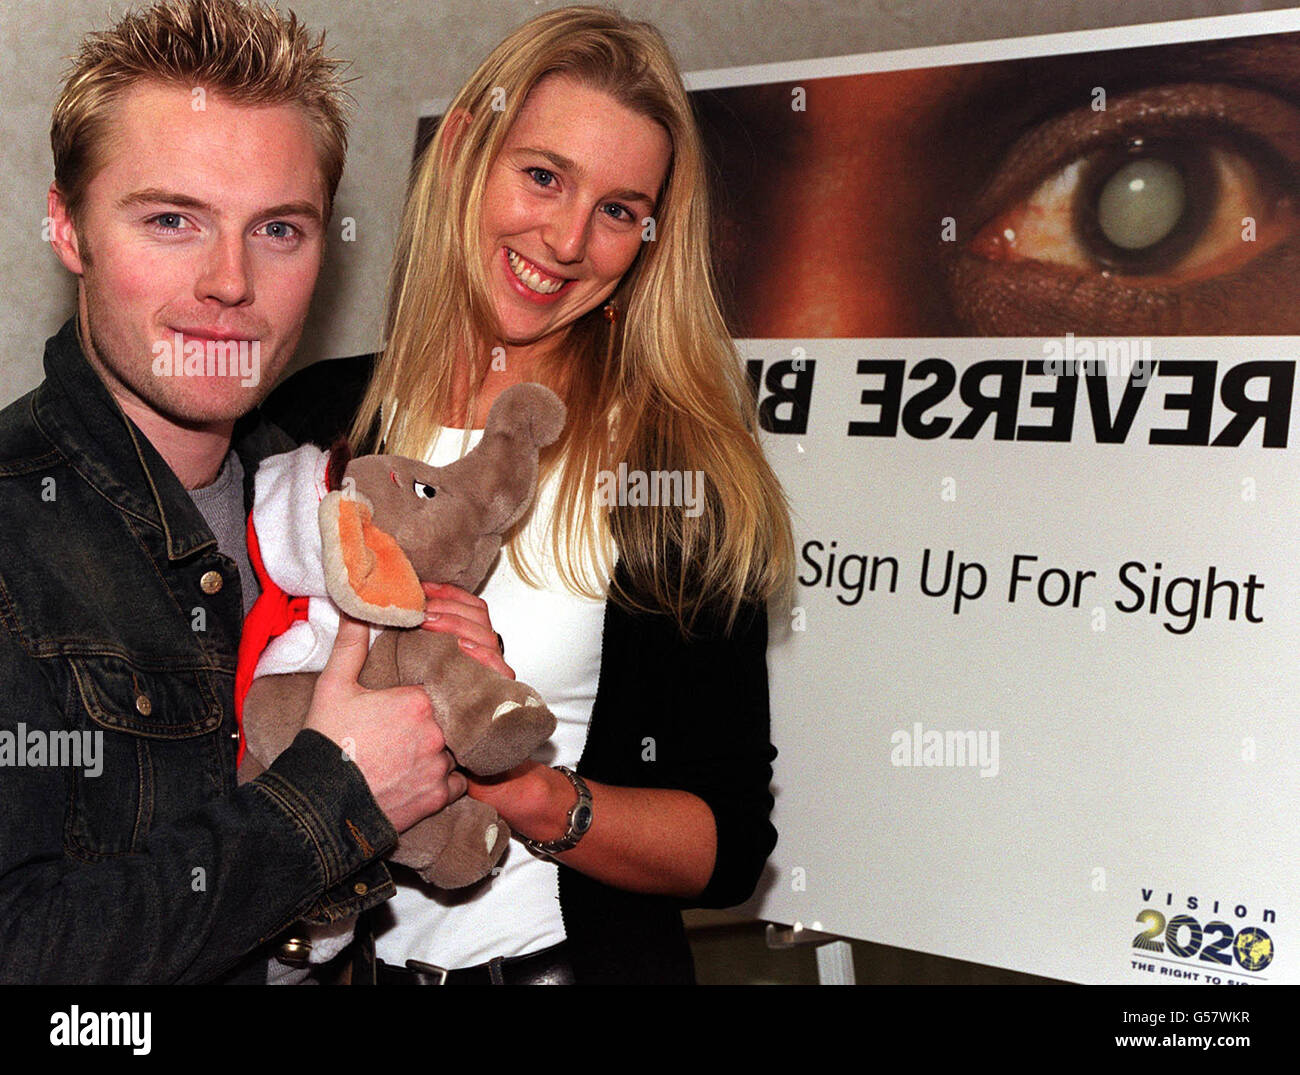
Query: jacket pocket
[[157, 751]]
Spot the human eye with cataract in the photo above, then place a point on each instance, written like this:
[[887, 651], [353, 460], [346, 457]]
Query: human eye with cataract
[[1173, 200]]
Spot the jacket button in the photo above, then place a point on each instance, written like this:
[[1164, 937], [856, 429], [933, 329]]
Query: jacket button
[[360, 888], [211, 582], [142, 705]]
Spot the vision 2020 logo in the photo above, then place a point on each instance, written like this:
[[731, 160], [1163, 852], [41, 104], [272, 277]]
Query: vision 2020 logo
[[1183, 947]]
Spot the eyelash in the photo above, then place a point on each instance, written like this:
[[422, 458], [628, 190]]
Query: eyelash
[[626, 213]]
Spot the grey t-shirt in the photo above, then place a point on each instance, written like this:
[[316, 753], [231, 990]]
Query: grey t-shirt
[[222, 505]]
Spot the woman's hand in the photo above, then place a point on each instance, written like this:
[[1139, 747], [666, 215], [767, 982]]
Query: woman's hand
[[641, 839], [454, 611], [532, 798]]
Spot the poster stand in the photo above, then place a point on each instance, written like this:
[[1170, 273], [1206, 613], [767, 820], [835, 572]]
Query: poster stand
[[834, 953]]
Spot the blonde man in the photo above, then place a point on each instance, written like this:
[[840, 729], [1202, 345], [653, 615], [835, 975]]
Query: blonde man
[[198, 145]]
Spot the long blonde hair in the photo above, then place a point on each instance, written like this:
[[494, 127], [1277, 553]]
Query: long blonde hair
[[661, 388]]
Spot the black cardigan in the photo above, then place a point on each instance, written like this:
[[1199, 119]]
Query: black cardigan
[[668, 713]]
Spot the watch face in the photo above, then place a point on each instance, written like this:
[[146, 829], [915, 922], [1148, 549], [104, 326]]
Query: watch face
[[581, 819]]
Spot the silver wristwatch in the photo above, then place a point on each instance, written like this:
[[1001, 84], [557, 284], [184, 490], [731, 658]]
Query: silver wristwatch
[[579, 819]]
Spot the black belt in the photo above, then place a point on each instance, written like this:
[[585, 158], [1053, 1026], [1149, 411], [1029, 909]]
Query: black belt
[[549, 966]]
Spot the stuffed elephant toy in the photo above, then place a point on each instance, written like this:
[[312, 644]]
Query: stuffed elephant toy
[[386, 523]]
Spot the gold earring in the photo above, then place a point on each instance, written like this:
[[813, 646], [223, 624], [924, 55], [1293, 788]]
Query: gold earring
[[611, 311]]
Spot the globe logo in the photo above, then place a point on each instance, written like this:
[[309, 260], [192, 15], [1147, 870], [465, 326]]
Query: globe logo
[[1253, 948]]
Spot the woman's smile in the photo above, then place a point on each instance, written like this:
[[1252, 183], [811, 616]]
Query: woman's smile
[[537, 284]]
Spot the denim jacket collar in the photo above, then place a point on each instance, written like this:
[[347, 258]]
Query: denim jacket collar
[[76, 411]]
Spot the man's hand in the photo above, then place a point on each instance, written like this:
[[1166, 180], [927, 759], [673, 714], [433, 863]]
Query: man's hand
[[390, 734]]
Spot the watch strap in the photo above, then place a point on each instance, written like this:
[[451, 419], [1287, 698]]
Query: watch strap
[[579, 819]]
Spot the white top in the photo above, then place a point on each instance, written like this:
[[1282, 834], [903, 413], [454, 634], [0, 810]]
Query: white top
[[552, 641]]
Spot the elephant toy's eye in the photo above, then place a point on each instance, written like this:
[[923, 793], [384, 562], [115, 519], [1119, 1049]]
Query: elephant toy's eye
[[424, 492]]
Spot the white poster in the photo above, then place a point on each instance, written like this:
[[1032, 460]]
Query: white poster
[[1024, 319]]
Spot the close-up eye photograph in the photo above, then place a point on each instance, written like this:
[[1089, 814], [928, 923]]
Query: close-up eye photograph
[[742, 493], [1144, 191]]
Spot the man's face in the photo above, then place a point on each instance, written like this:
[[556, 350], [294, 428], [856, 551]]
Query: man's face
[[203, 222]]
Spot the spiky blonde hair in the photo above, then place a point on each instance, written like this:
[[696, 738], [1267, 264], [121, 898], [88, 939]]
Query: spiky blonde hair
[[246, 52]]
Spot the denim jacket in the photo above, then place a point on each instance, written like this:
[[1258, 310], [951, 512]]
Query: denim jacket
[[139, 859]]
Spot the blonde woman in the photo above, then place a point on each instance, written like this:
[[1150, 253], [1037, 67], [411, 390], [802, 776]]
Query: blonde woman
[[556, 230]]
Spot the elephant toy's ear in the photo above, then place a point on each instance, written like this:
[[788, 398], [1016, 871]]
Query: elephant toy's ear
[[366, 571]]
